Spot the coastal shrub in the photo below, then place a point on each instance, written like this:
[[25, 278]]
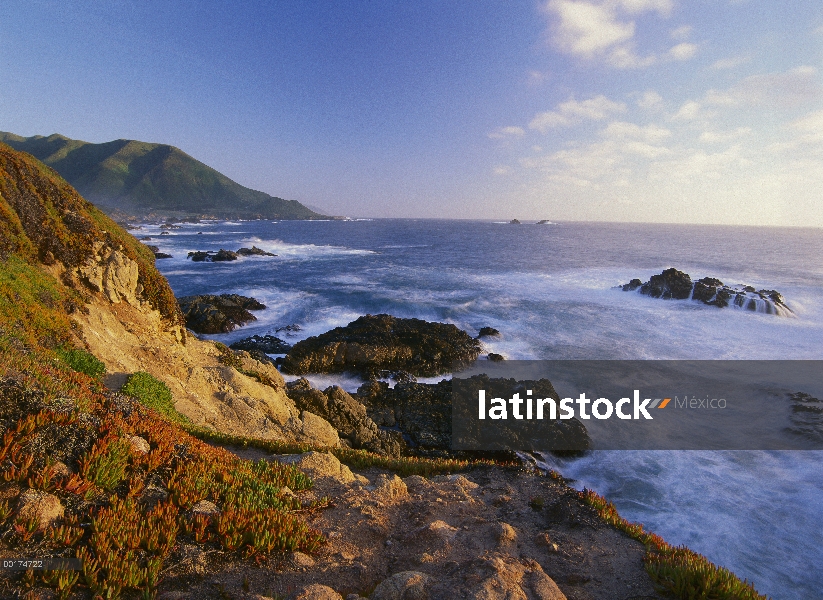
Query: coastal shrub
[[153, 393], [82, 361]]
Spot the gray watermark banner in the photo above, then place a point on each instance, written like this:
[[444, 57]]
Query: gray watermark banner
[[576, 405]]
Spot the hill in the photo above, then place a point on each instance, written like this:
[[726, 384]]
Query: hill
[[129, 178]]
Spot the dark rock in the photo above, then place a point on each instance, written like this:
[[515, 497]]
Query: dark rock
[[170, 226], [494, 357], [219, 256], [514, 222], [153, 248], [289, 329], [488, 332], [674, 284], [199, 256], [544, 222], [145, 238], [670, 284], [254, 251], [158, 255], [268, 344], [224, 255], [374, 343], [347, 415], [165, 233], [423, 412], [218, 314]]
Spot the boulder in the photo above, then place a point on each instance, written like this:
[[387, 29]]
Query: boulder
[[316, 591], [319, 465], [44, 507], [160, 255], [670, 284], [494, 357], [209, 256], [347, 415], [407, 585], [138, 444], [376, 343], [514, 222], [217, 314]]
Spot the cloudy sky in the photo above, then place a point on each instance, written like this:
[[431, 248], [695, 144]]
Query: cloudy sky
[[699, 111]]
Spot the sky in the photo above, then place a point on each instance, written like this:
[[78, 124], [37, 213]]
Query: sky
[[677, 111]]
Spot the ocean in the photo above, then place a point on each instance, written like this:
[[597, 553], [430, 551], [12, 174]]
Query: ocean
[[551, 291]]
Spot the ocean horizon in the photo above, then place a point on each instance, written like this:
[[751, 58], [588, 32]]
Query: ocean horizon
[[552, 290]]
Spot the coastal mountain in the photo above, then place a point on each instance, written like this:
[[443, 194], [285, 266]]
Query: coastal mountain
[[133, 179]]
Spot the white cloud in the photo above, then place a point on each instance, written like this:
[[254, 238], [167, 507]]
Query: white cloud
[[730, 62], [683, 51], [810, 127], [720, 137], [586, 28], [623, 130], [502, 170], [600, 28], [664, 7], [650, 99], [773, 90], [507, 132], [572, 112], [688, 112], [681, 33]]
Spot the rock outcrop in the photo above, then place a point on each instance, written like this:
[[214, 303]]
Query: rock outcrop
[[209, 313], [375, 345], [110, 271], [424, 413], [672, 284], [347, 415], [254, 251], [267, 344]]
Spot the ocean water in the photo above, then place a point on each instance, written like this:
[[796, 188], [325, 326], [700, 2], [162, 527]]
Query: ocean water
[[550, 291]]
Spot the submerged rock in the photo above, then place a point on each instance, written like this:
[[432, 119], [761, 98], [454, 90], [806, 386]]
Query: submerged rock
[[376, 343], [488, 332], [676, 285], [218, 314]]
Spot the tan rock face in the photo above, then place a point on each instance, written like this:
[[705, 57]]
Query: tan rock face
[[129, 339], [113, 273], [36, 504]]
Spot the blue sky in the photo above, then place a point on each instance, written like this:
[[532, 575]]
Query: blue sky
[[707, 111]]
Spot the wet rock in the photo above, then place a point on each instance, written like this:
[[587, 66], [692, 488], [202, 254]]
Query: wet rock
[[374, 343], [45, 508], [267, 344], [514, 222], [209, 256], [494, 357], [674, 284], [217, 314], [161, 255], [488, 332], [407, 585], [254, 251]]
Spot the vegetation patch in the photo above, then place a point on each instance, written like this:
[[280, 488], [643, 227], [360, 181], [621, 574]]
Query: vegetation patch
[[153, 393], [82, 361], [676, 570]]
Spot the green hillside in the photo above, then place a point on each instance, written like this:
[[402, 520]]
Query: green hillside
[[128, 178]]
